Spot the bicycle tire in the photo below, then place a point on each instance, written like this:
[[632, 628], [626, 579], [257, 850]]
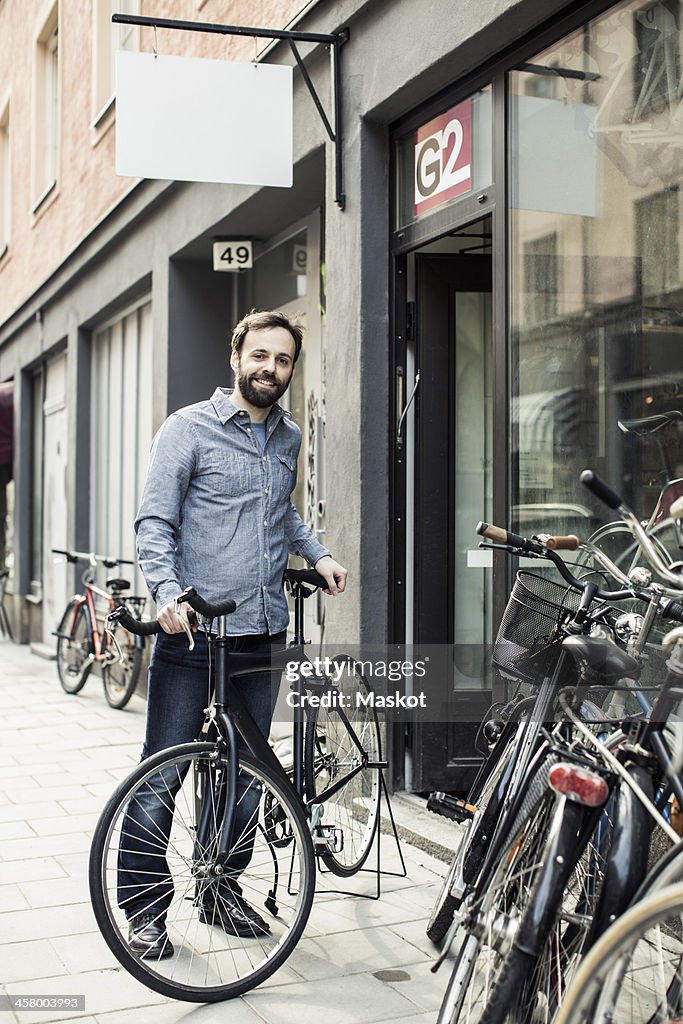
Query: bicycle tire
[[339, 743], [74, 647], [446, 903], [120, 679], [207, 964], [598, 992]]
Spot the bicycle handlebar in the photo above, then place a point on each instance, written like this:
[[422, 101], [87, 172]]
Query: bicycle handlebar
[[149, 627], [90, 556], [546, 546]]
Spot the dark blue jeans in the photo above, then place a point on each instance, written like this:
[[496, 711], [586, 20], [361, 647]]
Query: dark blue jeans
[[179, 691]]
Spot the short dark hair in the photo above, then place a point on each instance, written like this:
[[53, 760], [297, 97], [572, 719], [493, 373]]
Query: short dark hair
[[263, 320]]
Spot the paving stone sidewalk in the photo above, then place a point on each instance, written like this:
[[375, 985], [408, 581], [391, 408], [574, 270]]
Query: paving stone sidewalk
[[360, 961]]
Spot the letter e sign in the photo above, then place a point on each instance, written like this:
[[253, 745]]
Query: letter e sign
[[443, 158]]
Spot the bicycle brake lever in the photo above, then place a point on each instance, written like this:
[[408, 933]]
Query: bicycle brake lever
[[184, 623]]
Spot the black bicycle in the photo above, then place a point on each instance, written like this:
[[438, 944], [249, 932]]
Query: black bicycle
[[202, 816]]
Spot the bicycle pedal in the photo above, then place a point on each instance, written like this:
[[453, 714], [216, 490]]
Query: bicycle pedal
[[329, 836], [450, 807]]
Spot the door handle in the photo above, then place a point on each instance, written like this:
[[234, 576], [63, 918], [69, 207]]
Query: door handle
[[404, 413]]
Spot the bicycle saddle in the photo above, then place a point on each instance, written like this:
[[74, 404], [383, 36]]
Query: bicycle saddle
[[598, 655], [649, 424], [117, 584], [310, 576]]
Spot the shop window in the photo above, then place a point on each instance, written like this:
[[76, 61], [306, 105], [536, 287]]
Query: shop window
[[107, 39], [121, 429], [596, 331], [46, 116], [5, 180], [540, 272], [657, 242], [542, 82]]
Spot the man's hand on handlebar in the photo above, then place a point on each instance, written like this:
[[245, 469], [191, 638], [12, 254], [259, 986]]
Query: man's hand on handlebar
[[333, 573], [174, 618]]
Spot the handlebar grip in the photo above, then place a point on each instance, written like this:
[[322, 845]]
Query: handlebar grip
[[671, 610], [501, 536], [569, 543], [67, 554], [600, 489], [206, 608], [133, 625]]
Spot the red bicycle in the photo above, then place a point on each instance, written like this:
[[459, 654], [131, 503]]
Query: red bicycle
[[81, 641]]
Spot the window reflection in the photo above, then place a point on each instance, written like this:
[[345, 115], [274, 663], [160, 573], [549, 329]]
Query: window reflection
[[596, 305]]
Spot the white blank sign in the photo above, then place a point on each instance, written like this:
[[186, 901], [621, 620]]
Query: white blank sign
[[186, 119]]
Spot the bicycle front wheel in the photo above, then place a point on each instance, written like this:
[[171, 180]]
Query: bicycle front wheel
[[154, 854], [120, 677], [342, 750], [74, 646], [634, 973]]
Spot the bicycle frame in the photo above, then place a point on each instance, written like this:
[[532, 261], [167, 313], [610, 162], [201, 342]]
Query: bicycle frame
[[232, 717]]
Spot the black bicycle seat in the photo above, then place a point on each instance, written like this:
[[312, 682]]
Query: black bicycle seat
[[650, 424], [117, 584], [310, 576], [592, 652]]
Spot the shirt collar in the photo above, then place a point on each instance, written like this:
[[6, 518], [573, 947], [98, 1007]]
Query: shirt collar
[[226, 409]]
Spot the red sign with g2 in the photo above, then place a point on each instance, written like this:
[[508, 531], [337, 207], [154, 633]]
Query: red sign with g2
[[443, 158]]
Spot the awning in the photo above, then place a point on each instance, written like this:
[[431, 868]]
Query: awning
[[6, 424]]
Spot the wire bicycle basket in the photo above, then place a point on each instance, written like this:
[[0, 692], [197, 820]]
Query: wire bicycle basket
[[536, 609]]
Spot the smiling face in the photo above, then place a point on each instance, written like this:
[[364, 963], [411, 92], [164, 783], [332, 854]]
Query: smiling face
[[264, 366]]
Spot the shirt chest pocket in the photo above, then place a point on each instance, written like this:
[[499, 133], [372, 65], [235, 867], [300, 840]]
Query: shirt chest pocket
[[229, 473], [284, 475]]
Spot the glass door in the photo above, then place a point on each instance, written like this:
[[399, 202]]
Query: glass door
[[453, 488]]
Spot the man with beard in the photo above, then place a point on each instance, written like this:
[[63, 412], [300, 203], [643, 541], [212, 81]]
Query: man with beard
[[216, 514]]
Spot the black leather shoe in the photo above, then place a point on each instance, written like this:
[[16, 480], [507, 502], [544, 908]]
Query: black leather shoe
[[147, 937], [232, 913]]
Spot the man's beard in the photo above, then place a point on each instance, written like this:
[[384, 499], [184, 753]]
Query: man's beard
[[257, 396]]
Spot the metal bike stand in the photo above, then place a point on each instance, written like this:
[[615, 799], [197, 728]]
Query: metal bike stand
[[304, 592], [377, 871]]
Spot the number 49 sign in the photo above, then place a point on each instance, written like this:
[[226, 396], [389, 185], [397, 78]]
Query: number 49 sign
[[443, 158], [232, 256]]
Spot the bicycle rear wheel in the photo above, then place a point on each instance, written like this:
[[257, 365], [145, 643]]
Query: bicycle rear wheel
[[154, 850], [120, 678], [74, 646], [342, 744]]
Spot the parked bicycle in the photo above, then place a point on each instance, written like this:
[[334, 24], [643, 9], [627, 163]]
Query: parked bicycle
[[81, 642], [199, 817], [563, 841]]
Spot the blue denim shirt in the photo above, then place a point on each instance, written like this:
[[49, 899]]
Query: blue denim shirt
[[216, 512]]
